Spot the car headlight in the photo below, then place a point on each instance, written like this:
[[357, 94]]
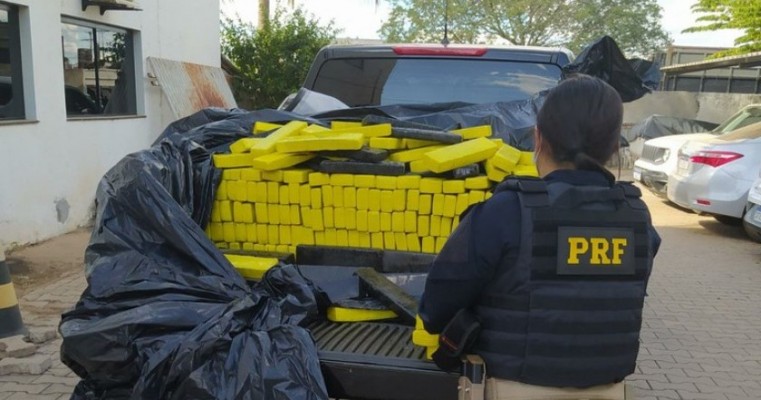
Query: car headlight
[[663, 157]]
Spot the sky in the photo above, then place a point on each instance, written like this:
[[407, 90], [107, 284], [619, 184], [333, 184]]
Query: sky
[[361, 19]]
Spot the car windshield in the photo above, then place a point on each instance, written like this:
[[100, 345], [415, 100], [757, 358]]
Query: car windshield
[[745, 117], [383, 81]]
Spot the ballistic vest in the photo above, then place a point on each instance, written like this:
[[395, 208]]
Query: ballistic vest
[[574, 318]]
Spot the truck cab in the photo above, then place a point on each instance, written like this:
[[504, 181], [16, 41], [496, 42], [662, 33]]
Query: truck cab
[[379, 75]]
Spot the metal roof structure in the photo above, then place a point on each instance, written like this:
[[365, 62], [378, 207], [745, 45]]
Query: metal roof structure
[[741, 61]]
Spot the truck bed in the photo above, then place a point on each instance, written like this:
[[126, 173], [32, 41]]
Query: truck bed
[[377, 361]]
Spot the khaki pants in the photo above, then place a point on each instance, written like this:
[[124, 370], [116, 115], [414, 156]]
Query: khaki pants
[[498, 389]]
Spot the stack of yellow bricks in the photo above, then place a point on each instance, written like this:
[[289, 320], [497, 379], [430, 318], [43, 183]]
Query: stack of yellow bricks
[[267, 202]]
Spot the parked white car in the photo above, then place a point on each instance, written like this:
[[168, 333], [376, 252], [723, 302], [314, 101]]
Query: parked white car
[[714, 176], [659, 155], [752, 219]]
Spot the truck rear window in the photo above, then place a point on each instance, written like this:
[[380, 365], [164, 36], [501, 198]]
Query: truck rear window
[[382, 81]]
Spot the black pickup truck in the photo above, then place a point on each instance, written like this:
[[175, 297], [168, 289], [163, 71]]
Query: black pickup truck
[[377, 360]]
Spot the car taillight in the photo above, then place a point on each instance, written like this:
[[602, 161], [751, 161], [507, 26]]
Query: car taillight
[[439, 51], [714, 158]]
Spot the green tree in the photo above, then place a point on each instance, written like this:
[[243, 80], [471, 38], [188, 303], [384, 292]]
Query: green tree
[[273, 61], [635, 24], [731, 14]]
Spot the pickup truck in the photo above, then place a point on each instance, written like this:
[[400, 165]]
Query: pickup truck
[[377, 360]]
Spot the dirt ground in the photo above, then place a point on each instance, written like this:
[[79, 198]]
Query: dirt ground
[[37, 265]]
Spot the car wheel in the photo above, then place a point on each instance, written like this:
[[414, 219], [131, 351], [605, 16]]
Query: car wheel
[[752, 231], [727, 220]]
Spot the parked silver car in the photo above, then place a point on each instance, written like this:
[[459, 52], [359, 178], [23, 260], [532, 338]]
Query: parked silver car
[[713, 176], [752, 219]]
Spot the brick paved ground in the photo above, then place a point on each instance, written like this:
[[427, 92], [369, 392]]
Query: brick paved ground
[[701, 337]]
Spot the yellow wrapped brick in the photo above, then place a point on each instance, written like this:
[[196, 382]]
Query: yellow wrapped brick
[[419, 166], [262, 232], [446, 227], [377, 240], [362, 221], [386, 143], [302, 144], [240, 232], [328, 217], [385, 221], [296, 176], [262, 127], [327, 196], [273, 214], [342, 238], [450, 205], [373, 221], [412, 155], [413, 200], [408, 182], [226, 210], [243, 145], [385, 182], [474, 132], [319, 238], [477, 183], [295, 215], [475, 196], [251, 191], [261, 212], [235, 246], [423, 225], [251, 174], [318, 222], [363, 198], [338, 196], [424, 339], [313, 129], [351, 218], [364, 240], [251, 233], [416, 143], [462, 203], [216, 232], [228, 231], [526, 170], [284, 234], [364, 181], [305, 195], [273, 232], [268, 144], [272, 176], [426, 201], [284, 212], [316, 197], [435, 225], [429, 245], [413, 243], [389, 241], [294, 193], [440, 242], [431, 185], [455, 186], [397, 221], [285, 195], [438, 204], [340, 314], [386, 200], [232, 160], [353, 239], [350, 197], [460, 155], [373, 201], [368, 131], [506, 158], [216, 215], [232, 174], [319, 179], [339, 217], [410, 221], [400, 241], [273, 192], [493, 173], [399, 197], [344, 124], [260, 196], [222, 191], [527, 158], [342, 180]]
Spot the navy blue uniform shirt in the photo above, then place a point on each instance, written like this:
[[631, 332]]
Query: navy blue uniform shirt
[[489, 232]]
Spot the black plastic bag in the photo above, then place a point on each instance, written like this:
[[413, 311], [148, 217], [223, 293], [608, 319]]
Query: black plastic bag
[[605, 60], [163, 302], [661, 125]]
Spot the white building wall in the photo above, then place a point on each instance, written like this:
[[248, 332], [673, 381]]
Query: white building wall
[[49, 161]]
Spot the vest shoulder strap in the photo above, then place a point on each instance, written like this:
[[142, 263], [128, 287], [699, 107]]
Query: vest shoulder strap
[[532, 191]]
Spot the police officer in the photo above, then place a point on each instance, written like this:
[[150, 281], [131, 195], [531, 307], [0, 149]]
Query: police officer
[[554, 269]]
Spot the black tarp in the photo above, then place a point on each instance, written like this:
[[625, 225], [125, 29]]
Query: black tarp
[[164, 315], [661, 125]]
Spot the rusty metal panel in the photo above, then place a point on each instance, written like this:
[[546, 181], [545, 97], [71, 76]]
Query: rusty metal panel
[[191, 87]]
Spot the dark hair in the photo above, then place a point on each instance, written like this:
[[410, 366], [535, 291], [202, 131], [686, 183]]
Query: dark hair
[[581, 122]]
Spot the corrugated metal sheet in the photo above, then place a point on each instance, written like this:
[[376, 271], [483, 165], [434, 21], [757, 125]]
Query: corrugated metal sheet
[[191, 87]]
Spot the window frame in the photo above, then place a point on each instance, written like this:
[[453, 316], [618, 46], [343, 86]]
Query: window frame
[[16, 108], [129, 68]]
